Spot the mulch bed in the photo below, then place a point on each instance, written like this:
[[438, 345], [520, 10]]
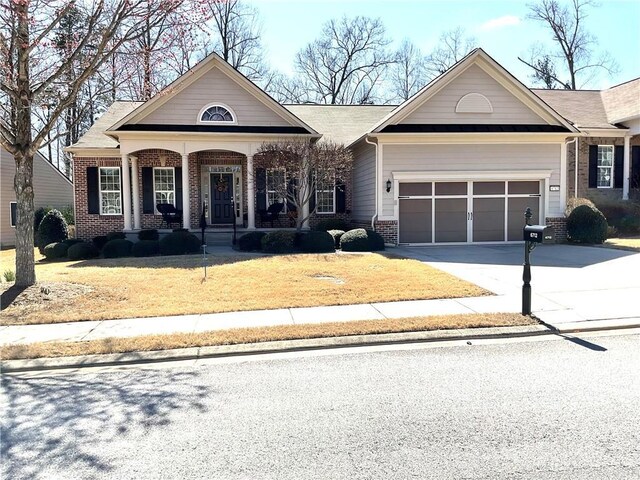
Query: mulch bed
[[39, 296]]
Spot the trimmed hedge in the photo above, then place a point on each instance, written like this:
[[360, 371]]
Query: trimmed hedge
[[56, 251], [361, 240], [82, 251], [179, 243], [116, 236], [317, 242], [331, 224], [149, 234], [251, 241], [337, 235], [52, 229], [280, 241], [71, 241], [116, 248], [625, 216], [37, 219], [99, 241], [587, 225], [146, 248], [573, 203]]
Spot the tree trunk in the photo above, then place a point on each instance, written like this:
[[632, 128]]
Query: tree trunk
[[23, 185]]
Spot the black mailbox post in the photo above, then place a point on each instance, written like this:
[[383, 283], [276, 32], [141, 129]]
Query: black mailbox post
[[533, 235]]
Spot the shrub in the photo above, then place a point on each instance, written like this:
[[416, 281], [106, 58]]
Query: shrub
[[71, 241], [280, 241], [9, 275], [146, 248], [587, 225], [56, 251], [180, 230], [116, 248], [82, 251], [179, 243], [150, 234], [612, 232], [67, 213], [251, 241], [361, 240], [52, 229], [37, 218], [317, 242], [336, 234], [116, 236], [99, 241], [625, 216], [331, 224], [572, 203]]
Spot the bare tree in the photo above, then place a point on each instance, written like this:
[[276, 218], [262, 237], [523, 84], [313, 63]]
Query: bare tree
[[409, 72], [573, 52], [31, 74], [305, 166], [237, 31], [452, 47], [346, 64]]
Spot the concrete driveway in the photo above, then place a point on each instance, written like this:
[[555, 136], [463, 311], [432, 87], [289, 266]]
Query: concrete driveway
[[570, 283]]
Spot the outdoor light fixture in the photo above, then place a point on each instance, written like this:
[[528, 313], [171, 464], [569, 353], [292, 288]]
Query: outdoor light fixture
[[388, 186]]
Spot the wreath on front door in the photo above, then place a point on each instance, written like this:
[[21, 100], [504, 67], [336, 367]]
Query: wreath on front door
[[222, 185]]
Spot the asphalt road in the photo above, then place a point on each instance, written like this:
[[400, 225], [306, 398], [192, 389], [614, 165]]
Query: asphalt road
[[553, 409]]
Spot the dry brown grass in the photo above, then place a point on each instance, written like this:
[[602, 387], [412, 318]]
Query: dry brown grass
[[158, 286], [632, 243], [262, 334]]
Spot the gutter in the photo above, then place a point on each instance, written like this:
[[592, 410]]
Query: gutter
[[375, 214]]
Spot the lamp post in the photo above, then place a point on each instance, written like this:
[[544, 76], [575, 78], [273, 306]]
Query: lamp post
[[526, 274]]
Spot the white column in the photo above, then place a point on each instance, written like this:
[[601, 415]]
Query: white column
[[305, 207], [563, 176], [626, 169], [135, 193], [186, 211], [251, 195], [126, 192]]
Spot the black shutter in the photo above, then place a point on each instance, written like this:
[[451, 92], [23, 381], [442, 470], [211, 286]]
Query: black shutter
[[148, 199], [178, 180], [13, 210], [635, 167], [341, 197], [593, 166], [261, 189], [618, 164], [93, 190]]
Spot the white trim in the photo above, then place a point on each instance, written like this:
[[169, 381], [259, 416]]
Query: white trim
[[119, 169], [611, 167], [476, 175], [563, 176], [234, 117], [173, 169], [626, 168], [333, 211], [13, 225]]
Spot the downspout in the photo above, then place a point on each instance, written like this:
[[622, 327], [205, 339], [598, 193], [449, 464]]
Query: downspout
[[375, 214]]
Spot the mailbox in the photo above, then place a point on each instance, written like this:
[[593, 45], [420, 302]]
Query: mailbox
[[539, 234]]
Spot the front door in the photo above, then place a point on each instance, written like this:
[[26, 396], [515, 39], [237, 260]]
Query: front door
[[221, 195]]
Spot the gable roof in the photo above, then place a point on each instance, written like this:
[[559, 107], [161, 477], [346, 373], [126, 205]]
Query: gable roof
[[622, 102], [212, 60], [494, 69], [95, 137]]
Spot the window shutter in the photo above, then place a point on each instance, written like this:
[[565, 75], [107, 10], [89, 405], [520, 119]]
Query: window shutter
[[178, 180], [93, 190], [618, 164], [635, 167], [261, 189], [148, 199], [593, 166], [341, 197]]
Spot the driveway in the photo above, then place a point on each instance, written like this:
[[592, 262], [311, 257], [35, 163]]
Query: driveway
[[569, 283]]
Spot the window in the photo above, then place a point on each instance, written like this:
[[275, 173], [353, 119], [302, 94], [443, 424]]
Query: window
[[326, 196], [13, 213], [110, 199], [164, 185], [605, 166], [217, 114], [276, 179]]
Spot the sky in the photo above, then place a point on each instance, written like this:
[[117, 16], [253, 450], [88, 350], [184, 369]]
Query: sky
[[500, 28]]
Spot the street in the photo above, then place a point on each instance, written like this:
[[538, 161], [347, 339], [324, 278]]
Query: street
[[542, 408]]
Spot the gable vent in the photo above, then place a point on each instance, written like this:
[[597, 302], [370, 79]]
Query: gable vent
[[474, 103]]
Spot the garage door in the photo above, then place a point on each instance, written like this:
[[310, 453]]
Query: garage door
[[460, 212]]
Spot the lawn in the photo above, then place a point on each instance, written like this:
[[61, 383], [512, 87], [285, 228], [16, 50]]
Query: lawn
[[631, 243], [145, 287]]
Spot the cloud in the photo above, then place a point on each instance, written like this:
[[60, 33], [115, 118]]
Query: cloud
[[495, 23]]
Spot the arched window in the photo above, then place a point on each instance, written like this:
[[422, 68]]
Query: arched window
[[217, 114]]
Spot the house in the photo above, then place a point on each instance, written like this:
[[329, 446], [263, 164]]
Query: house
[[458, 162], [50, 187]]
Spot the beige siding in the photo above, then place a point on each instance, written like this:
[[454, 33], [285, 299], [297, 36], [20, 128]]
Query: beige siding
[[441, 108], [50, 189], [214, 87], [472, 158], [364, 175]]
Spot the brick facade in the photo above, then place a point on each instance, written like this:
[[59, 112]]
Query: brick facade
[[559, 225], [388, 229]]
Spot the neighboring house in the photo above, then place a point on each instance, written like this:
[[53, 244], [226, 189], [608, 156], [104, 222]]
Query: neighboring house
[[50, 188], [458, 162]]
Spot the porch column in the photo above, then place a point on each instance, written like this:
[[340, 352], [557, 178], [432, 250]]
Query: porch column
[[135, 193], [126, 192], [251, 195], [186, 214], [305, 207], [626, 169]]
